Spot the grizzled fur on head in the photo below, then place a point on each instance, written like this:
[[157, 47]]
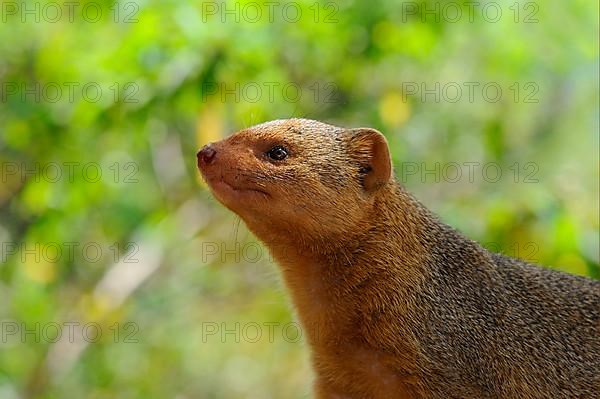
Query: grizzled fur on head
[[323, 188]]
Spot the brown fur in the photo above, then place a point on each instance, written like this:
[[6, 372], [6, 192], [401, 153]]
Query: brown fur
[[396, 304]]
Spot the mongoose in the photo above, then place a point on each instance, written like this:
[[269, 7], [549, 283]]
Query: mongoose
[[394, 303]]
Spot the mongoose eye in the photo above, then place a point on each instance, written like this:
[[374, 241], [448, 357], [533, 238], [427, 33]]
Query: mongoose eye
[[277, 153]]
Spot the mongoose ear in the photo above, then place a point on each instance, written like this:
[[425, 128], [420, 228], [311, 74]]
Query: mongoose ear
[[371, 149]]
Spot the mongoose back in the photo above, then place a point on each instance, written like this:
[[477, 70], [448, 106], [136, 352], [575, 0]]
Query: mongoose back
[[394, 303]]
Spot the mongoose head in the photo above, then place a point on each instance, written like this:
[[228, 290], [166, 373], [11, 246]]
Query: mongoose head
[[297, 177]]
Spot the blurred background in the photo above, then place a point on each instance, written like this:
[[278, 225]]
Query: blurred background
[[121, 277]]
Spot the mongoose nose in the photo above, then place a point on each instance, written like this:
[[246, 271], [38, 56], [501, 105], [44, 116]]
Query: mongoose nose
[[206, 154]]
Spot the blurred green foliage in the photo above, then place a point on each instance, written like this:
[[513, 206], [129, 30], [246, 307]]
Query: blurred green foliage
[[188, 305]]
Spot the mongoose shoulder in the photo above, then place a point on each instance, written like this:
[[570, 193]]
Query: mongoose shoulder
[[394, 303]]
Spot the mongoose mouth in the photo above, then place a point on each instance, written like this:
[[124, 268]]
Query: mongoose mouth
[[224, 185], [233, 195]]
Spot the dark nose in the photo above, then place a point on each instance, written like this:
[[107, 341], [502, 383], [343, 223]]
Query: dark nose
[[206, 154]]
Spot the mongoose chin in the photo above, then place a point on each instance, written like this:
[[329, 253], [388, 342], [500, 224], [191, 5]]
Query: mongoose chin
[[394, 303]]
